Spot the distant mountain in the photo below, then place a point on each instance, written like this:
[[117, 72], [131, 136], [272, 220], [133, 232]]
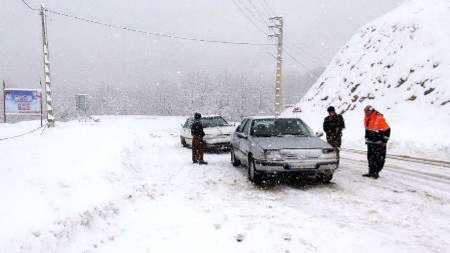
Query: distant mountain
[[400, 63], [297, 84]]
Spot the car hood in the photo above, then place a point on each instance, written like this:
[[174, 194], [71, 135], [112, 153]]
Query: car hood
[[228, 130], [290, 142]]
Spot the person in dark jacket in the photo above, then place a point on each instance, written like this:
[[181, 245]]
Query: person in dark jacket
[[197, 140], [377, 135], [333, 125]]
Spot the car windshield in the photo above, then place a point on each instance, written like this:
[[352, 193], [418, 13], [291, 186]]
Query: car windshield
[[207, 122], [214, 122], [279, 127]]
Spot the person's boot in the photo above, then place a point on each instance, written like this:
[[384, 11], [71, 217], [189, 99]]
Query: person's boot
[[367, 175], [193, 161], [202, 162], [375, 175]]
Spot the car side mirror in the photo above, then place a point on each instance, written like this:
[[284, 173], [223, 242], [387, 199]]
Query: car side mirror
[[319, 134], [242, 136]]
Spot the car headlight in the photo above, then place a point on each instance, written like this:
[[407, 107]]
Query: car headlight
[[328, 153], [327, 150], [273, 155]]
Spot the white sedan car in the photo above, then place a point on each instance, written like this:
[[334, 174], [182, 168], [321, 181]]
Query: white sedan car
[[217, 132]]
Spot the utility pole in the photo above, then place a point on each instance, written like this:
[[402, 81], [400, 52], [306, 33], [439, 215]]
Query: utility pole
[[48, 90], [277, 27], [4, 102]]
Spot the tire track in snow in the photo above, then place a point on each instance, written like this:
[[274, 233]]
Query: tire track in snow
[[424, 175], [408, 181]]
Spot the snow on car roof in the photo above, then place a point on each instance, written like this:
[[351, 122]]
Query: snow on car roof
[[271, 117], [208, 116]]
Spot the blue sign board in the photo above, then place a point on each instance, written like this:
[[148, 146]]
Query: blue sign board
[[22, 101]]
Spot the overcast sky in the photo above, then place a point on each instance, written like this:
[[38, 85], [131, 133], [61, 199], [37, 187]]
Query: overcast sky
[[86, 54]]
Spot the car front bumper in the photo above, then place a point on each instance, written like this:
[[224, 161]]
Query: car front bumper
[[311, 167], [221, 142]]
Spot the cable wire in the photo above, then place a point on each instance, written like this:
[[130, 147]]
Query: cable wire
[[264, 10], [23, 134], [269, 8], [259, 14], [295, 59], [241, 10], [303, 52], [29, 6], [158, 34]]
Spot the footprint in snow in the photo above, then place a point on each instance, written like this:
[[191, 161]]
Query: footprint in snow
[[287, 237], [239, 237]]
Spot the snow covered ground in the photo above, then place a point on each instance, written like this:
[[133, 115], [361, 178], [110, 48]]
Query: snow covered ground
[[124, 184]]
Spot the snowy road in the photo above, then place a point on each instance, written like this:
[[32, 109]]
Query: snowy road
[[134, 189]]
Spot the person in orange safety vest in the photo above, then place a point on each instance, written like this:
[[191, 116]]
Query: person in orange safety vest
[[377, 136]]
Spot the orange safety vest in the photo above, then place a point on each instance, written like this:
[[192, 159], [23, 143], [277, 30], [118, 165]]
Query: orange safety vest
[[375, 122]]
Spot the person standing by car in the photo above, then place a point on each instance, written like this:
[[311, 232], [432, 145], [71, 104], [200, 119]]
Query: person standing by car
[[377, 136], [333, 125], [197, 139]]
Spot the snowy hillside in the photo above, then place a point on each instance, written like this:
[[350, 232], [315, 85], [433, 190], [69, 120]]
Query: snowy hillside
[[400, 63]]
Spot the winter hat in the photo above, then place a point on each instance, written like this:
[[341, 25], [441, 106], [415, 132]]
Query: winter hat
[[197, 115], [331, 109], [368, 108]]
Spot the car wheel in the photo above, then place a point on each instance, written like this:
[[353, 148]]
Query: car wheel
[[183, 142], [234, 160], [253, 175], [326, 179]]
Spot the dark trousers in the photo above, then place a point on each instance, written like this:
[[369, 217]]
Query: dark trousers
[[197, 149], [335, 141], [376, 155]]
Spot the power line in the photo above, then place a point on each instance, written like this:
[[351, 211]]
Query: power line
[[258, 13], [295, 59], [304, 53], [264, 10], [22, 134], [29, 6], [155, 33], [269, 8], [252, 21], [248, 17]]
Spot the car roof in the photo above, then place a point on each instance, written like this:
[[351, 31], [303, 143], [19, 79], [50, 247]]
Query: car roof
[[207, 116], [270, 117]]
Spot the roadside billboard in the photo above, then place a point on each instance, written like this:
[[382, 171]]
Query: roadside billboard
[[22, 101]]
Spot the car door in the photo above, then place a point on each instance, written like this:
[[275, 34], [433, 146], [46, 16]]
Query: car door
[[244, 142], [236, 138], [186, 131]]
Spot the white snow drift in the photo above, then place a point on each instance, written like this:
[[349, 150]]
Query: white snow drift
[[125, 184], [400, 63]]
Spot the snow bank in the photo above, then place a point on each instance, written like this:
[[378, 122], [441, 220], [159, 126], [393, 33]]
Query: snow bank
[[60, 181], [125, 184], [400, 64]]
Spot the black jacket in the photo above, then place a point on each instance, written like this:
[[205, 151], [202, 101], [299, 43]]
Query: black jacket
[[333, 125], [197, 129], [377, 136]]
